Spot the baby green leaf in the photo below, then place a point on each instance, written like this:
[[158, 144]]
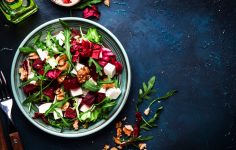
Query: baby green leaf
[[93, 36], [87, 3], [27, 49], [89, 85], [98, 67]]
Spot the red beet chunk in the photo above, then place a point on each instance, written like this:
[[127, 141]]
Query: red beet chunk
[[70, 113], [70, 83], [38, 64], [49, 92], [53, 74], [89, 99], [29, 89]]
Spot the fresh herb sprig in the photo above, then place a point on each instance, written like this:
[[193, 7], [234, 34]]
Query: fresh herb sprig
[[87, 3]]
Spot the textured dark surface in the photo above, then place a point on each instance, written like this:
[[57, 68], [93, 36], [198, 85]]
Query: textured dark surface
[[188, 44]]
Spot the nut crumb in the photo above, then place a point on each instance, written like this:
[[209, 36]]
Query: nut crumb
[[118, 124], [128, 129], [114, 148], [118, 132], [83, 75], [107, 2], [76, 124], [142, 146], [33, 56], [147, 111], [106, 147], [60, 94], [65, 106]]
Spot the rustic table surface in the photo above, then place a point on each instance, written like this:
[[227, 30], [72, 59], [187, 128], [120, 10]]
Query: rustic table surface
[[188, 44]]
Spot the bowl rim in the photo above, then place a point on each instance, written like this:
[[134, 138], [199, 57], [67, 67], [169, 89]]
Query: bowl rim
[[72, 135]]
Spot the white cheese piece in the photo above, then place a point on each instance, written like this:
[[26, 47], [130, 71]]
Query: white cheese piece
[[84, 108], [109, 70], [113, 93], [44, 107], [85, 92], [102, 90], [60, 37], [78, 66], [52, 62], [76, 92], [94, 82], [55, 115], [30, 76], [42, 54]]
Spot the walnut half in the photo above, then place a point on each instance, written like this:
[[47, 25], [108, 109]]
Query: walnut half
[[83, 75]]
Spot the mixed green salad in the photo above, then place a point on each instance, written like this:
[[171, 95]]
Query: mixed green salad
[[69, 78]]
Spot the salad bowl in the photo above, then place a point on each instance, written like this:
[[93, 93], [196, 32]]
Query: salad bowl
[[108, 41]]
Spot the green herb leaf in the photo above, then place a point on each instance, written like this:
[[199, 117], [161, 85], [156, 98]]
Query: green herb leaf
[[48, 40], [28, 81], [67, 34], [64, 24], [56, 105], [87, 3], [143, 138], [93, 36], [27, 49], [98, 67], [89, 85], [167, 95]]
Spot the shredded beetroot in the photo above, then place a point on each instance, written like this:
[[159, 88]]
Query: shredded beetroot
[[29, 89], [70, 83], [70, 113], [93, 73], [75, 32], [38, 64], [53, 74], [91, 12], [96, 46], [49, 92], [89, 99], [102, 63], [25, 65], [66, 1], [41, 116], [41, 71], [75, 57]]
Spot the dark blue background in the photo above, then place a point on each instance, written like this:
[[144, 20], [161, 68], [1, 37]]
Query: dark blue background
[[188, 44]]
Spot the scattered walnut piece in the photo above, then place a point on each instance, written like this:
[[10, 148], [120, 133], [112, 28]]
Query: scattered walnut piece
[[83, 75], [109, 85], [76, 124], [65, 106], [118, 132], [118, 124], [60, 94], [142, 146], [106, 147], [33, 56], [128, 129], [23, 73], [62, 62], [61, 78], [114, 148], [85, 126], [107, 2], [117, 141], [147, 111]]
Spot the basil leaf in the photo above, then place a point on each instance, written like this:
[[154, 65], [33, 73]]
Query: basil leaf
[[27, 49]]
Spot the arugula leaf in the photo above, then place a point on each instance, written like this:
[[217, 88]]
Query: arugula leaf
[[93, 36], [87, 3], [67, 34], [151, 123], [27, 49], [147, 90], [64, 24], [98, 67], [32, 98], [89, 85], [61, 117], [143, 138], [57, 104], [48, 40], [28, 81], [37, 38]]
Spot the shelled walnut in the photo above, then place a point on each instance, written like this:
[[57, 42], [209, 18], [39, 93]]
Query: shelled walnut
[[60, 94], [83, 75]]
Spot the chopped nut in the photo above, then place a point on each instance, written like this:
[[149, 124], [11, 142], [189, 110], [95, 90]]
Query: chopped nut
[[65, 106], [62, 62], [117, 141], [85, 126], [118, 132], [61, 78], [142, 146], [147, 111], [118, 124], [23, 73], [128, 129], [83, 75], [107, 2], [60, 94], [76, 124], [114, 148], [119, 147], [106, 147], [109, 85], [33, 56]]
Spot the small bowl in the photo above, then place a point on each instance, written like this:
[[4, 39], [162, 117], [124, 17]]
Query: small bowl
[[109, 40], [60, 2]]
